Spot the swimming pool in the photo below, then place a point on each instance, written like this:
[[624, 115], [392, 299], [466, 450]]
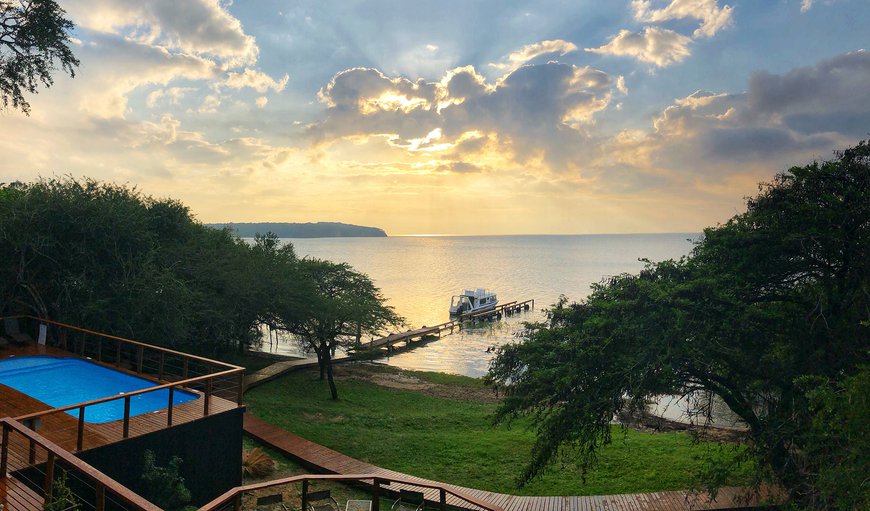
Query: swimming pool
[[62, 381]]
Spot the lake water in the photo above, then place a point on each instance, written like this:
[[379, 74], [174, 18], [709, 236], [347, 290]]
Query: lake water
[[419, 274]]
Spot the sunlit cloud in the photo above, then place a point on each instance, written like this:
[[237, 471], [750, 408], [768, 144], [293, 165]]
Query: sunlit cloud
[[658, 46], [537, 110], [197, 27], [531, 51], [713, 18], [257, 80]]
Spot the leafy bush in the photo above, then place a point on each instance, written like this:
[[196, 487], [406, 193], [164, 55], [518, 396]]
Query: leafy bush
[[164, 486]]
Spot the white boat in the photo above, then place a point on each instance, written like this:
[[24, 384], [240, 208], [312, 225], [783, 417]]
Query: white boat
[[472, 301]]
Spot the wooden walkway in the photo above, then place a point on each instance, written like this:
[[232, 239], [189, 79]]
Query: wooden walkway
[[324, 460]]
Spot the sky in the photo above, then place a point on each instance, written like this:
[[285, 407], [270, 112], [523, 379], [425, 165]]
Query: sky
[[468, 117]]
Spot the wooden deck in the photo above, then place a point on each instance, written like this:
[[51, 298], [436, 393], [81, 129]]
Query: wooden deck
[[16, 496], [324, 460]]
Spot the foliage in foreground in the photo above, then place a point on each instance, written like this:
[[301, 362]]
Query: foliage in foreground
[[769, 313], [34, 34], [453, 440], [164, 486]]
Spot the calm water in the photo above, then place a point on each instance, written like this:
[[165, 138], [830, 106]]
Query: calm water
[[419, 275]]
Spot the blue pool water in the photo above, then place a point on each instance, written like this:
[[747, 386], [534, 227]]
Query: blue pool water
[[61, 381]]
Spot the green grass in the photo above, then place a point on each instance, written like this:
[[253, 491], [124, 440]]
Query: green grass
[[453, 441]]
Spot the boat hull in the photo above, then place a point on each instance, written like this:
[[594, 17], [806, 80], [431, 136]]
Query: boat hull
[[487, 307]]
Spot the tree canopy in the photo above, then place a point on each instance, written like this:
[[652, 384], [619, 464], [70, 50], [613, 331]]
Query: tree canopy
[[769, 313], [107, 257], [34, 38]]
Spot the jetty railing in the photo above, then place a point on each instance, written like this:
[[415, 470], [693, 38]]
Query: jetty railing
[[218, 386], [31, 467], [438, 494]]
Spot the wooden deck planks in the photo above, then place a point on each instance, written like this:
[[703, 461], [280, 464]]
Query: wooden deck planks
[[15, 495]]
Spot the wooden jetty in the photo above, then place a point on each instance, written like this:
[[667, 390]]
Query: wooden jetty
[[417, 335]]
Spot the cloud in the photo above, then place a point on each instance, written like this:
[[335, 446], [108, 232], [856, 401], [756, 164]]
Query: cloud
[[838, 84], [536, 113], [257, 80], [806, 5], [116, 66], [778, 121], [197, 27], [210, 104], [262, 101], [532, 51], [658, 46], [171, 95], [712, 17]]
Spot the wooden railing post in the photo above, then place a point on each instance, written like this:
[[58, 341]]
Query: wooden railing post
[[4, 454], [376, 494], [241, 389], [100, 503], [237, 502], [169, 409], [126, 416], [31, 452], [81, 432], [160, 370], [442, 503], [186, 365], [48, 482], [141, 357], [305, 495], [118, 354], [207, 397]]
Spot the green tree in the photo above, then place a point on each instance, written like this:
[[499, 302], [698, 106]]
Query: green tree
[[105, 256], [768, 311], [344, 306], [34, 35]]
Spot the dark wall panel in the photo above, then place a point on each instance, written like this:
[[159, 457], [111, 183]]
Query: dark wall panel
[[211, 450]]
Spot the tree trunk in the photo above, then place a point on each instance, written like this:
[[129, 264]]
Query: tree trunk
[[332, 389], [321, 364]]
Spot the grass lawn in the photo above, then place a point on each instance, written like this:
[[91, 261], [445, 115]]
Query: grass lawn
[[452, 440]]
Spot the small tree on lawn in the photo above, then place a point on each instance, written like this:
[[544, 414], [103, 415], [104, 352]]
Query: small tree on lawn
[[344, 305]]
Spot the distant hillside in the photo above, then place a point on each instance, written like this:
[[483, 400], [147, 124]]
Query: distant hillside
[[307, 230]]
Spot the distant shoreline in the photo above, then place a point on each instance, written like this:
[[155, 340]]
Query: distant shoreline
[[302, 230]]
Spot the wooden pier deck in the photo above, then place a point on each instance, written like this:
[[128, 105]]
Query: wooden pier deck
[[500, 310], [321, 459]]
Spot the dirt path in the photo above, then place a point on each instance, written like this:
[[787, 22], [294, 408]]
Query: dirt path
[[394, 378]]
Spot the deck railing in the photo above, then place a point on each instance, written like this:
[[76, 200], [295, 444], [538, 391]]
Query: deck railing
[[435, 492], [171, 370], [36, 464]]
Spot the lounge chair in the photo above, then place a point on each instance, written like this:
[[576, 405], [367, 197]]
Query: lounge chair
[[13, 332], [321, 501], [409, 499], [272, 501]]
